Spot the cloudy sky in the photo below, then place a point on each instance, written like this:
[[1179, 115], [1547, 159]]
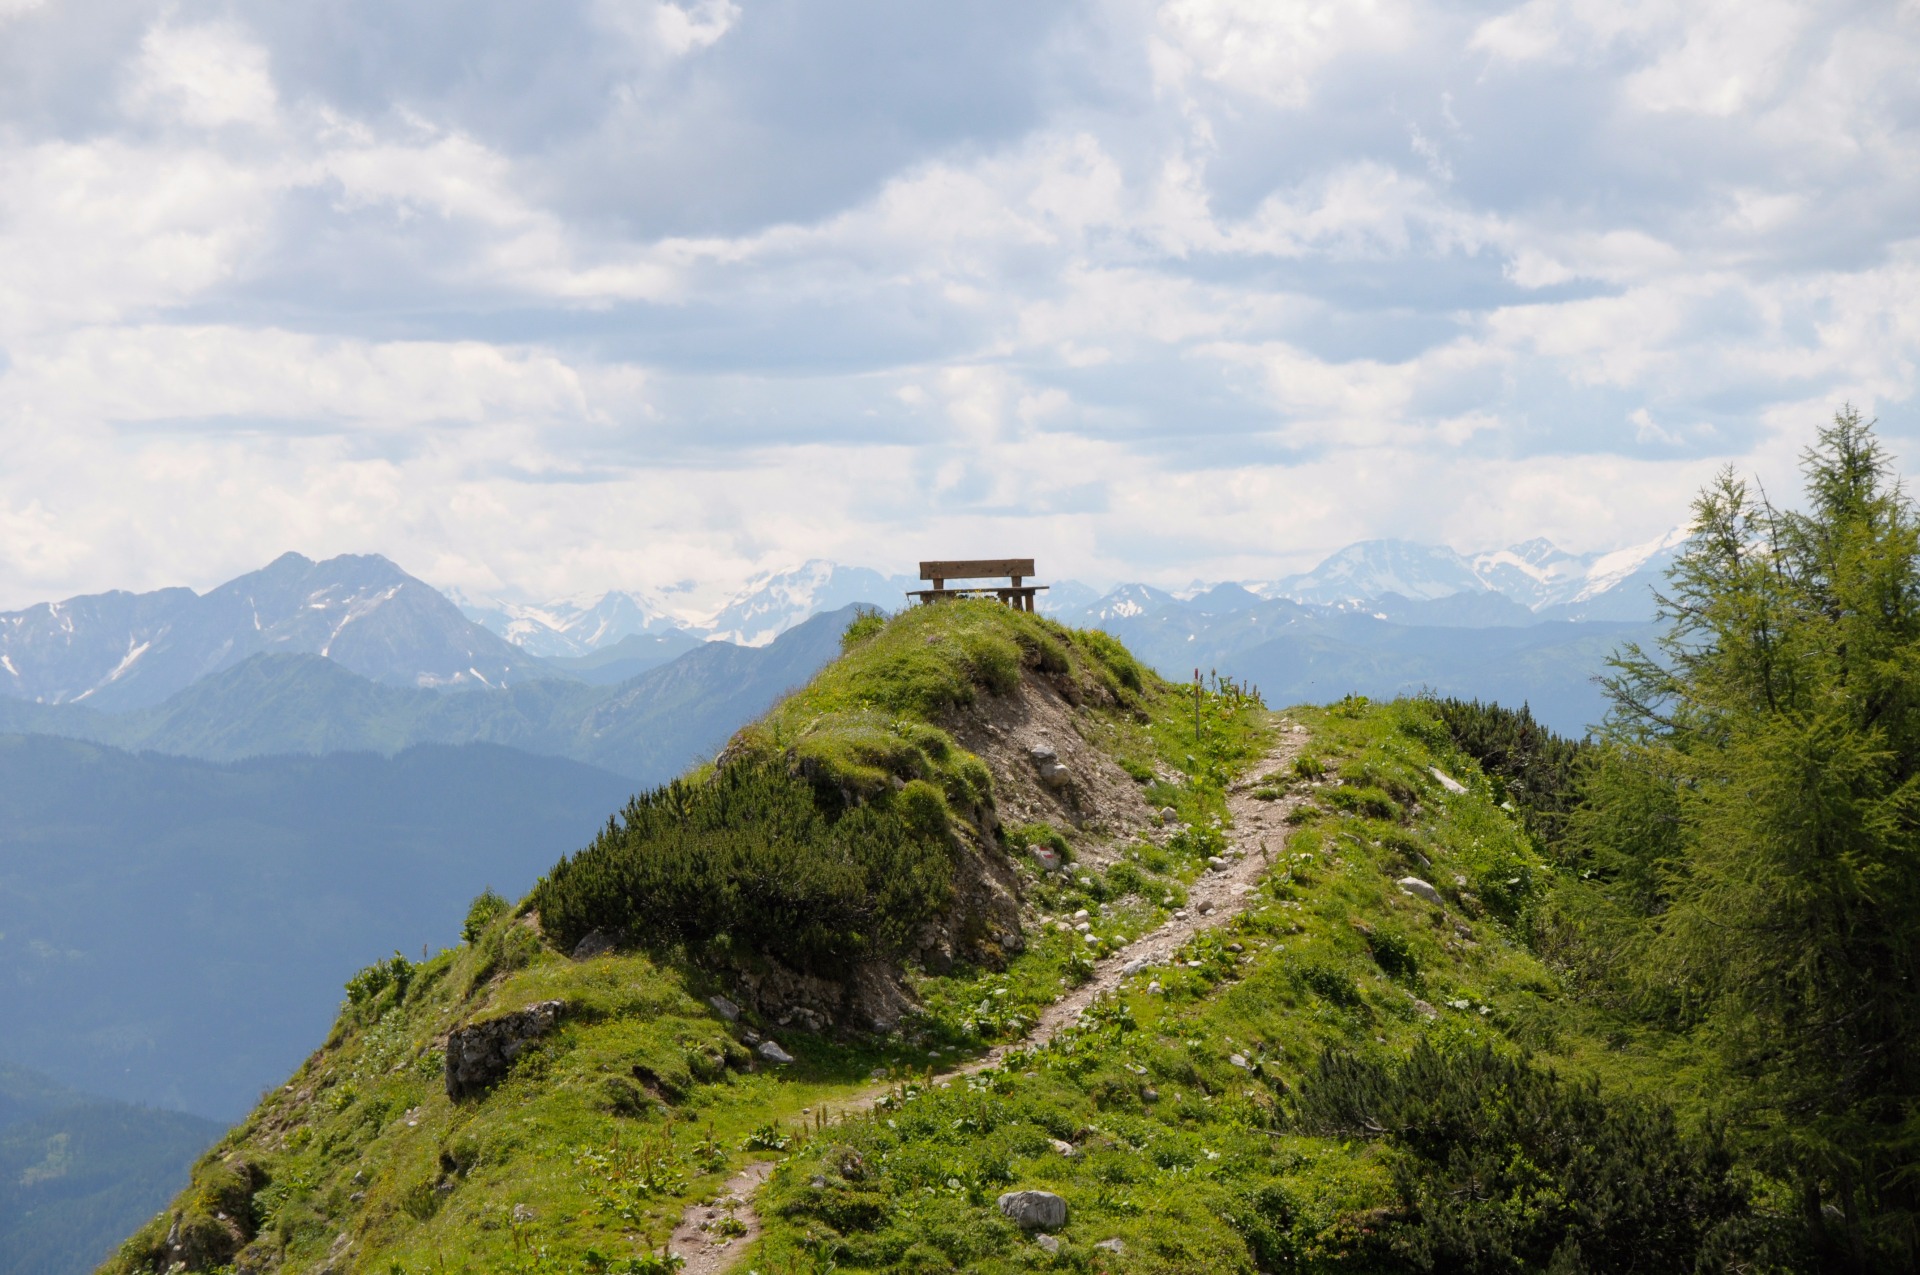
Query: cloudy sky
[[550, 298]]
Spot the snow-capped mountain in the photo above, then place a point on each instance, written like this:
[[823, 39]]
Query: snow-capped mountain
[[1123, 603], [127, 650], [1404, 580], [569, 627], [775, 602], [1373, 568], [1535, 574]]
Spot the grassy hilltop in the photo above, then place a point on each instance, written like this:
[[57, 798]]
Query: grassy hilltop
[[833, 828], [1352, 1074]]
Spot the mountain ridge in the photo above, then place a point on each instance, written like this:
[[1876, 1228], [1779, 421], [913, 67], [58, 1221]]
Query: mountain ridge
[[119, 650]]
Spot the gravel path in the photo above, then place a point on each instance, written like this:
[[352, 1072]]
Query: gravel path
[[1215, 898]]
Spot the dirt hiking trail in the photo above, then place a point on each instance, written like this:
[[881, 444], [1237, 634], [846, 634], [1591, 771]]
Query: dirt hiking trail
[[1214, 898]]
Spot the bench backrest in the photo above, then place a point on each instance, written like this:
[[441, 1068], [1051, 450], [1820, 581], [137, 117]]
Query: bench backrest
[[977, 569]]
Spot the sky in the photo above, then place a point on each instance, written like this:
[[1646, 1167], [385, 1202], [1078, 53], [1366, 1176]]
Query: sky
[[545, 299]]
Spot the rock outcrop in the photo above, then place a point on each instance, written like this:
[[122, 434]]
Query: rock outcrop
[[480, 1054]]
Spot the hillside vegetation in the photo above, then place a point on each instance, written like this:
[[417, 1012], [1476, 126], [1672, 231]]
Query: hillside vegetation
[[645, 1096], [1501, 1002]]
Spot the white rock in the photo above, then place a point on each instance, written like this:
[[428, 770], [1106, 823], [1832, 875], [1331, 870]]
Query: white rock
[[1112, 1246], [1093, 940], [1063, 1147], [1081, 915], [1047, 858], [1447, 781], [1047, 1243], [1134, 966], [1034, 1210], [1238, 1060], [771, 1051], [1420, 889], [1168, 815]]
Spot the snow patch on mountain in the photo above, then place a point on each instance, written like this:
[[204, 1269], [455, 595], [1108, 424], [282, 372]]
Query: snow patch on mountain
[[775, 601], [1534, 573], [571, 626]]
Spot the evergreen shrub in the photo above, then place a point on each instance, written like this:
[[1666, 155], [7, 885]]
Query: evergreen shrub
[[1501, 1166], [767, 859]]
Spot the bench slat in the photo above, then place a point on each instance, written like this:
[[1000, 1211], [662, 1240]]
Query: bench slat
[[976, 569]]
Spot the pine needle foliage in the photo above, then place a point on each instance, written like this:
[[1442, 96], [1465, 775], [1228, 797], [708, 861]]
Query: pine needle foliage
[[1502, 1166], [763, 858], [1536, 769], [1772, 742]]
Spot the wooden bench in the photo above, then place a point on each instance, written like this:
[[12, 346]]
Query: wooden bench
[[1018, 594]]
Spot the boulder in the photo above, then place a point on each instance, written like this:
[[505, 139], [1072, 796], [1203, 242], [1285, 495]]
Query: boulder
[[771, 1051], [1045, 760], [725, 1008], [597, 943], [479, 1054], [1419, 889], [1034, 1210]]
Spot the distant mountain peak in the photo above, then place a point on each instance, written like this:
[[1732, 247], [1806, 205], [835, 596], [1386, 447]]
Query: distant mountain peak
[[126, 650]]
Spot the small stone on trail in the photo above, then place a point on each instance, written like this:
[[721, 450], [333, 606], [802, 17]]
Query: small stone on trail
[[1034, 1210], [772, 1052], [1215, 862]]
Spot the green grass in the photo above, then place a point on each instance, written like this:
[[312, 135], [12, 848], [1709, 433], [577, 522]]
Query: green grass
[[1191, 1160], [645, 1099]]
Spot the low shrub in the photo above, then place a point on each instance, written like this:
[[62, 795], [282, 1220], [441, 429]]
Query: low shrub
[[866, 622], [395, 972], [1501, 1166], [482, 912], [773, 862]]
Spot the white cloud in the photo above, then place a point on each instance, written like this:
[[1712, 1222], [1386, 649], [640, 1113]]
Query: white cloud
[[1277, 49], [1203, 287], [203, 76]]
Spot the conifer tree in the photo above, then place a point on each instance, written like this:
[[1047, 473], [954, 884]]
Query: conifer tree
[[1782, 708]]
